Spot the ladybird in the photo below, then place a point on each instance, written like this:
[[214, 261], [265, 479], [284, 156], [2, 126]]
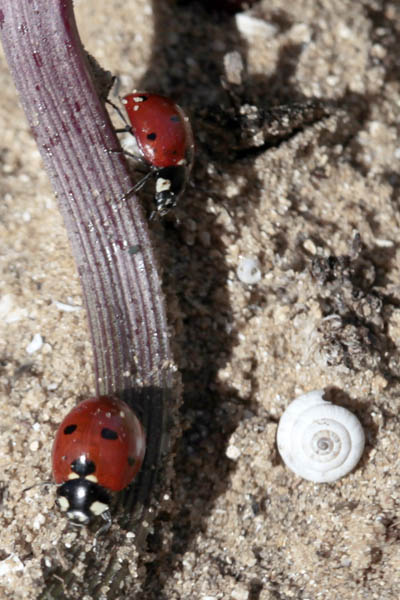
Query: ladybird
[[99, 447], [165, 139]]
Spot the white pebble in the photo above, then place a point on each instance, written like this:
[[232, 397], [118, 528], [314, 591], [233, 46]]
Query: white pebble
[[384, 243], [250, 26], [240, 593], [38, 521], [233, 65], [300, 33], [310, 246], [10, 564], [36, 344], [9, 313], [233, 452], [67, 307], [249, 271]]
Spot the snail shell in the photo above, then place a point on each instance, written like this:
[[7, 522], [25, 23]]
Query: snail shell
[[318, 440]]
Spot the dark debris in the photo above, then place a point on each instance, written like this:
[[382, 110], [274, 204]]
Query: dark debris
[[353, 328]]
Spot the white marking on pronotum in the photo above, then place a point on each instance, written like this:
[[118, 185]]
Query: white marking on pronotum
[[162, 185], [92, 478], [63, 503]]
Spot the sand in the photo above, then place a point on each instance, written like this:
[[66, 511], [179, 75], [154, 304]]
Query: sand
[[319, 210]]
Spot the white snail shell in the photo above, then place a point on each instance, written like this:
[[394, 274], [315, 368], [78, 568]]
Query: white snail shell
[[318, 440]]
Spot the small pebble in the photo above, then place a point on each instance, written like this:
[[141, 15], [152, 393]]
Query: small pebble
[[248, 270], [34, 446], [189, 238], [240, 593], [233, 65], [38, 521], [310, 246], [205, 238], [384, 243], [233, 452], [66, 307], [10, 564], [36, 344], [191, 225], [251, 26]]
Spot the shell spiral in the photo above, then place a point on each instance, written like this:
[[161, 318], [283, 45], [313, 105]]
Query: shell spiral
[[318, 440]]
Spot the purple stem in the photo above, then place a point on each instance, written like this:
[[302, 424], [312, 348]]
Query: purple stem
[[73, 131], [109, 236]]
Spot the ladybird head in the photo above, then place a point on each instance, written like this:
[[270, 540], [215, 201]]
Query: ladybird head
[[82, 500]]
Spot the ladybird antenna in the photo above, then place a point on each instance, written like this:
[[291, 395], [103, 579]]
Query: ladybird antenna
[[48, 482], [40, 484]]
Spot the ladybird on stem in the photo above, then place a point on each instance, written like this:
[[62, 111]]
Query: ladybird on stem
[[99, 448], [165, 139]]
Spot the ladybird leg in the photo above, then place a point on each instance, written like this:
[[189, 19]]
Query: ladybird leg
[[126, 129], [136, 157], [106, 515], [153, 215], [138, 186], [121, 115], [120, 151]]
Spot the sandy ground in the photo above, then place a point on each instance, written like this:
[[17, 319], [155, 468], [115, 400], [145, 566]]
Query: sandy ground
[[238, 524]]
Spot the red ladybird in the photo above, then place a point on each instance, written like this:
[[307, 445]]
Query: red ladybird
[[99, 446], [165, 139]]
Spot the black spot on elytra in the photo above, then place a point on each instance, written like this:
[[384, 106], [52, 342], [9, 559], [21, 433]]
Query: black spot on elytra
[[151, 136], [70, 429], [175, 118], [82, 466], [109, 434], [131, 461]]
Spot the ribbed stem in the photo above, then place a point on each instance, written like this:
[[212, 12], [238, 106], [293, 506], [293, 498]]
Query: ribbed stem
[[109, 236]]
